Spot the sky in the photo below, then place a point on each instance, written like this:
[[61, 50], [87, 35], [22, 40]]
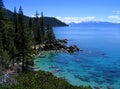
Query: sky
[[70, 10]]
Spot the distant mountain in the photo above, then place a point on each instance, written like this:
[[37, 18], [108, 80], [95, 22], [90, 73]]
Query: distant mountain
[[53, 21], [48, 20], [95, 24]]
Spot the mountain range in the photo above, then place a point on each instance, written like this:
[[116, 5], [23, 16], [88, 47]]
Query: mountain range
[[95, 24], [48, 20]]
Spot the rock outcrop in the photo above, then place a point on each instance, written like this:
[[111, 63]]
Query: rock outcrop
[[60, 45]]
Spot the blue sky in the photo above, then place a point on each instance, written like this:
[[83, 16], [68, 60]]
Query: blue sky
[[70, 10]]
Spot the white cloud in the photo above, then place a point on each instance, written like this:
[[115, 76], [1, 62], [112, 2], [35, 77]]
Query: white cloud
[[77, 19], [116, 17]]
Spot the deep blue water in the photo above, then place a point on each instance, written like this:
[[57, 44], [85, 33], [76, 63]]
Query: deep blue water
[[97, 65]]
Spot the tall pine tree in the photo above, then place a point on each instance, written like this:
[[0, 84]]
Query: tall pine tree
[[37, 31], [5, 37], [30, 27], [25, 49], [50, 34], [3, 24], [42, 28]]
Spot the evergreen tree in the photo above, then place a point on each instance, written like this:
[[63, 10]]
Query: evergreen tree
[[4, 37], [15, 27], [37, 31], [42, 28], [32, 31], [3, 23], [50, 33], [12, 53], [25, 49], [4, 60], [15, 20], [30, 27], [14, 40], [1, 52]]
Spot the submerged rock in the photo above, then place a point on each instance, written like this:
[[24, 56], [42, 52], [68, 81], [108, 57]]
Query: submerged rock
[[82, 78], [110, 87], [53, 66], [98, 81], [98, 88]]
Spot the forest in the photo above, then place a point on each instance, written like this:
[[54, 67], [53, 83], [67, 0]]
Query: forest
[[17, 38]]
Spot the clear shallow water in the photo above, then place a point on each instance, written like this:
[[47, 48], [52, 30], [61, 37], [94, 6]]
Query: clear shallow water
[[97, 65]]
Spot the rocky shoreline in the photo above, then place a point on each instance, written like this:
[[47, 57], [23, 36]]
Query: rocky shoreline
[[57, 45]]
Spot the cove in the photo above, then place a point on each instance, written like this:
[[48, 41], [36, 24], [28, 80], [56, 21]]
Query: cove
[[98, 63]]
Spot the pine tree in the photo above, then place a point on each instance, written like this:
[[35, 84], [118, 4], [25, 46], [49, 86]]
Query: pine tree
[[24, 41], [42, 28], [1, 52], [15, 20], [30, 26], [32, 31], [12, 54], [3, 22], [4, 60], [14, 40], [4, 37], [50, 33], [15, 27], [37, 31]]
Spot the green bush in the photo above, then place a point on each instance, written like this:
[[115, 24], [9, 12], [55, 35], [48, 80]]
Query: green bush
[[41, 80]]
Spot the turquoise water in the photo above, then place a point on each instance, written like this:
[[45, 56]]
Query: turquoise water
[[97, 65]]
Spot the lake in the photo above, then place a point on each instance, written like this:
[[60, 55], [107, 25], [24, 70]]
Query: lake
[[97, 65]]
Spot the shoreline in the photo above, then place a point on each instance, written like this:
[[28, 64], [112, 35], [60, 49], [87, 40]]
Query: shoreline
[[59, 45]]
